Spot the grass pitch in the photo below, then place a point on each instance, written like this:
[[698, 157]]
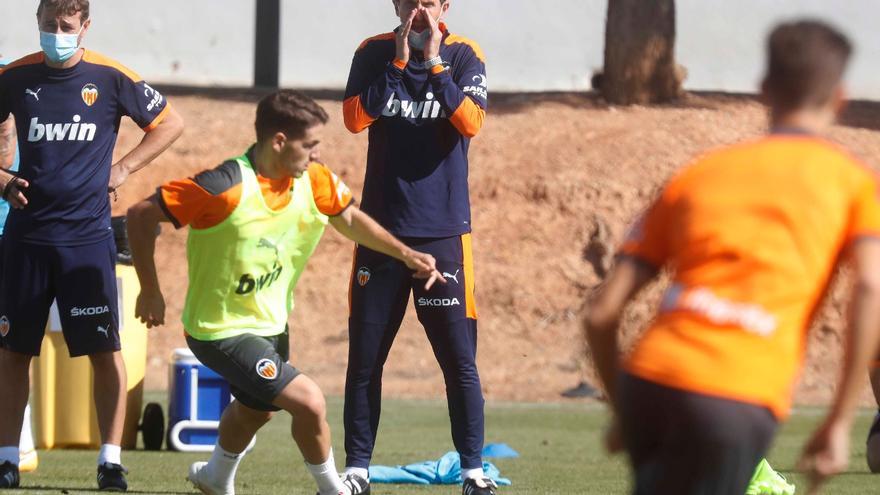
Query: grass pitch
[[558, 444]]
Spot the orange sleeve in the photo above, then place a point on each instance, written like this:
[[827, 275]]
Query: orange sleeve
[[158, 120], [354, 115], [187, 203], [332, 196], [468, 118], [648, 239], [864, 219]]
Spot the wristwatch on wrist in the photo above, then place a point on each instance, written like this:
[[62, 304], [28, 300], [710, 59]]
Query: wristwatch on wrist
[[433, 62]]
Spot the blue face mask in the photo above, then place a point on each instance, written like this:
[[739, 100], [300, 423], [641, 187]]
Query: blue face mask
[[59, 47], [419, 40]]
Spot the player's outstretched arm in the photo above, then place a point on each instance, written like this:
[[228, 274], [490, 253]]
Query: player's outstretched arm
[[603, 312], [601, 321], [143, 225], [359, 227], [152, 145], [827, 452]]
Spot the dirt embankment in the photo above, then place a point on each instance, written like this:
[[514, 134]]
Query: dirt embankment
[[545, 171]]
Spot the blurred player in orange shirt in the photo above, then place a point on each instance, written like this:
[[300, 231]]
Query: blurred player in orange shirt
[[751, 235]]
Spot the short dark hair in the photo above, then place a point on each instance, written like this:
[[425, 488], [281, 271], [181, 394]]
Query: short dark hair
[[287, 111], [806, 60], [66, 7]]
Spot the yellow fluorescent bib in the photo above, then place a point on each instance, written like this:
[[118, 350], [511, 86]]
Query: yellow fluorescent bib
[[242, 272]]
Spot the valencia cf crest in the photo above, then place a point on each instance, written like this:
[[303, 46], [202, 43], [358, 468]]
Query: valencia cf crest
[[266, 368], [363, 276], [89, 94], [4, 326]]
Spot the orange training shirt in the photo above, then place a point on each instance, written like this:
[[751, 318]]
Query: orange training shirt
[[752, 234], [211, 196]]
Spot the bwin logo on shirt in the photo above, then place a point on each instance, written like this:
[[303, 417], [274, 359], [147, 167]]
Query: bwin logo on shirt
[[69, 131], [249, 283], [429, 109]]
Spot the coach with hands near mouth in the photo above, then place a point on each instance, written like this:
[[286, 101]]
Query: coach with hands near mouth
[[421, 91]]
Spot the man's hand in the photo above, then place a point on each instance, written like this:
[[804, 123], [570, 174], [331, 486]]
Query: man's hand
[[12, 188], [359, 227], [150, 308], [432, 47], [402, 39], [424, 266], [118, 174], [826, 454]]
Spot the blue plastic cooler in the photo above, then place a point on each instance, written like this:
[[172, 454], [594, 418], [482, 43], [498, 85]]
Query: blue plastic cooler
[[196, 399]]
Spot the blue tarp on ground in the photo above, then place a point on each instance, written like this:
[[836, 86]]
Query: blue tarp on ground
[[499, 451], [444, 471]]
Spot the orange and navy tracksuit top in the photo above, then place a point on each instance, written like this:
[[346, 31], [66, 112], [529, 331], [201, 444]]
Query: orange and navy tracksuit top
[[210, 197], [67, 122], [421, 122], [753, 234]]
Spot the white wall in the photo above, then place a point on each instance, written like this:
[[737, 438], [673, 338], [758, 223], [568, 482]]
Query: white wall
[[721, 42], [179, 41], [530, 45]]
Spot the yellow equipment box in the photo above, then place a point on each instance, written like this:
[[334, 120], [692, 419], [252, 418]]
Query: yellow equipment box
[[62, 397]]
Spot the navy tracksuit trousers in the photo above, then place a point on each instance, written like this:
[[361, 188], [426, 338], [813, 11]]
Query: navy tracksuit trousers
[[380, 290]]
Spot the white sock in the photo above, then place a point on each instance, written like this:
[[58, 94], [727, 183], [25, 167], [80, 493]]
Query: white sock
[[476, 473], [327, 477], [110, 453], [26, 443], [9, 453], [222, 466], [362, 472]]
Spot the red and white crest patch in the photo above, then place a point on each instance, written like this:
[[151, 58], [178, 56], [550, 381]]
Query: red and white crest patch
[[266, 368], [89, 94], [363, 276], [4, 326]]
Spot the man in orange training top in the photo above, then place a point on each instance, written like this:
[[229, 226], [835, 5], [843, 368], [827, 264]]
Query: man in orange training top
[[751, 235]]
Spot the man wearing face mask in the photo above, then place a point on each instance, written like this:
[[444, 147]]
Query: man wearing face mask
[[58, 244], [422, 93]]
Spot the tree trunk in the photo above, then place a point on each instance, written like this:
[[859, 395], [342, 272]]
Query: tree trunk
[[640, 63]]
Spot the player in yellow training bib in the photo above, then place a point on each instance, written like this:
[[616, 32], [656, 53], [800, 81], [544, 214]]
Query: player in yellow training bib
[[254, 222]]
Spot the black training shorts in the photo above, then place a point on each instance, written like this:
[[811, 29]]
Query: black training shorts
[[255, 367], [685, 443]]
